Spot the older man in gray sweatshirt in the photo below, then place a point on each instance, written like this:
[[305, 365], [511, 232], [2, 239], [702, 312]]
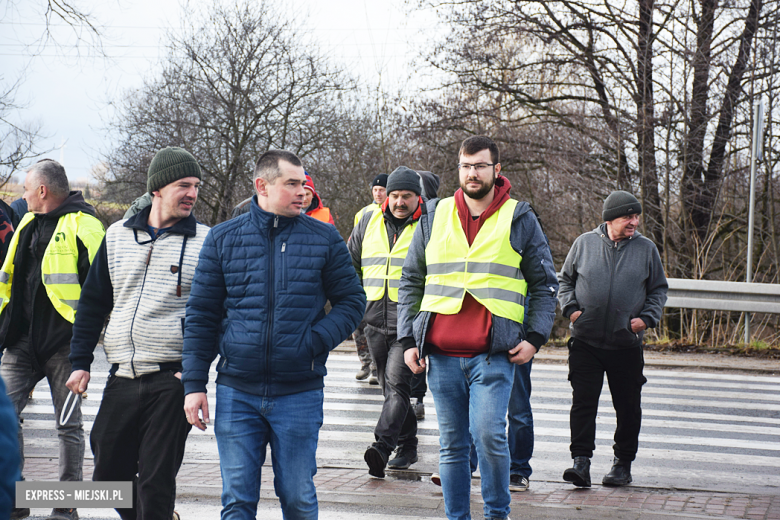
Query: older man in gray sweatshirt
[[612, 288]]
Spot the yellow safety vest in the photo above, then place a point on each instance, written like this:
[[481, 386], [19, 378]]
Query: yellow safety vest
[[368, 209], [59, 267], [489, 270], [380, 266]]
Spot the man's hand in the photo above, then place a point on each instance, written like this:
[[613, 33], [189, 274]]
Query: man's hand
[[522, 353], [638, 325], [78, 381], [574, 315], [193, 403], [413, 361]]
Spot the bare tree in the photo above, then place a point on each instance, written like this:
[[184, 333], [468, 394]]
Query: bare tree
[[602, 60], [237, 81], [17, 140]]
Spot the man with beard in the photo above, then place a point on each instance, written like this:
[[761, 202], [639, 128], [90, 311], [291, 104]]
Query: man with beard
[[40, 282], [142, 276], [378, 246], [472, 263], [613, 287]]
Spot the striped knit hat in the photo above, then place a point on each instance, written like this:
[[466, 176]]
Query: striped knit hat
[[171, 164]]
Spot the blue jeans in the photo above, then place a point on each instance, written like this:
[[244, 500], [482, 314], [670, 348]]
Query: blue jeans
[[521, 422], [244, 425], [521, 425], [472, 397]]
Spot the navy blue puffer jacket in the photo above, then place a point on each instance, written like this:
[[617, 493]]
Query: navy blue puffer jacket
[[258, 297]]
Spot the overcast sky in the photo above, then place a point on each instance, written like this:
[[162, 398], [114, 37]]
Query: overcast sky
[[68, 90]]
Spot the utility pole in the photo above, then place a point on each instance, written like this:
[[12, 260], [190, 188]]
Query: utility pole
[[756, 154]]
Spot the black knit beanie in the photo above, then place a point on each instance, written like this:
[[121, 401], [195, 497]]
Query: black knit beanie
[[171, 164], [404, 178], [379, 180], [620, 204]]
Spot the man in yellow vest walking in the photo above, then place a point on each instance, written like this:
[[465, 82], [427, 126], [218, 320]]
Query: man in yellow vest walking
[[40, 284], [368, 368], [378, 246], [475, 260]]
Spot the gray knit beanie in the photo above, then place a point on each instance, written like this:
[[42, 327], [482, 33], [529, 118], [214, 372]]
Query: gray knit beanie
[[404, 178], [620, 204], [171, 164]]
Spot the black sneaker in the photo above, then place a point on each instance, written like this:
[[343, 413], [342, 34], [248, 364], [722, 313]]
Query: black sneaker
[[518, 483], [404, 457], [63, 514], [376, 461], [18, 513]]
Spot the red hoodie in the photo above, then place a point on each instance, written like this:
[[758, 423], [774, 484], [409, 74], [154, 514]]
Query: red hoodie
[[467, 333]]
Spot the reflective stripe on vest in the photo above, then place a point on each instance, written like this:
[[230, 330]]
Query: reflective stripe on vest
[[488, 270], [59, 267], [380, 267], [368, 209]]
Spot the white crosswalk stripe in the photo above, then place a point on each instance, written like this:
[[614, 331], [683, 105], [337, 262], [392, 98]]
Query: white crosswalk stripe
[[717, 431]]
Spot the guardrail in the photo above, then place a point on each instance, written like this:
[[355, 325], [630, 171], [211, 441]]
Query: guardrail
[[723, 296]]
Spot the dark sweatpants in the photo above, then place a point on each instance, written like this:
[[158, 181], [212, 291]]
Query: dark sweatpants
[[587, 366], [139, 435]]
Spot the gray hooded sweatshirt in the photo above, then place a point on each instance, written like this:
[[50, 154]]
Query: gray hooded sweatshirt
[[612, 283]]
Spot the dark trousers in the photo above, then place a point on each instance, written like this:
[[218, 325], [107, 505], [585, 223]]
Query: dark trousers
[[397, 425], [419, 385], [587, 366], [139, 435], [362, 346]]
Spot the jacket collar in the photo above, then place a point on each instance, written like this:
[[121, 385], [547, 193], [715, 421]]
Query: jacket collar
[[604, 234], [186, 226], [264, 220]]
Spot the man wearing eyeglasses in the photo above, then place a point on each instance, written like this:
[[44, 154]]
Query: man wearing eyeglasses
[[473, 262]]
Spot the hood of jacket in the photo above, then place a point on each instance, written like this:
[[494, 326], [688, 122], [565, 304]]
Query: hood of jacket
[[186, 226], [73, 203]]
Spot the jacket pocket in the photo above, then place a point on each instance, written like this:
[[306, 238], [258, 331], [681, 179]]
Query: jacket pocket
[[506, 334], [580, 327], [622, 334]]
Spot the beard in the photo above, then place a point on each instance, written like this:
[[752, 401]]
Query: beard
[[478, 193]]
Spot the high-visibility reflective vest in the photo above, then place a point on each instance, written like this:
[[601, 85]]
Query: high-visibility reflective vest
[[380, 266], [321, 214], [368, 209], [489, 269], [59, 267]]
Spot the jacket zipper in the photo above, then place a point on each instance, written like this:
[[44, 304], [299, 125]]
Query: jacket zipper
[[611, 283], [137, 304], [284, 266], [271, 290]]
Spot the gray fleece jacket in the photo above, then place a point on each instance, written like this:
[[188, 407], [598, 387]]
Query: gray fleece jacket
[[612, 283]]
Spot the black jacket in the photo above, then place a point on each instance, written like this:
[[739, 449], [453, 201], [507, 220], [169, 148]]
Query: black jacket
[[6, 228], [30, 310], [381, 314]]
